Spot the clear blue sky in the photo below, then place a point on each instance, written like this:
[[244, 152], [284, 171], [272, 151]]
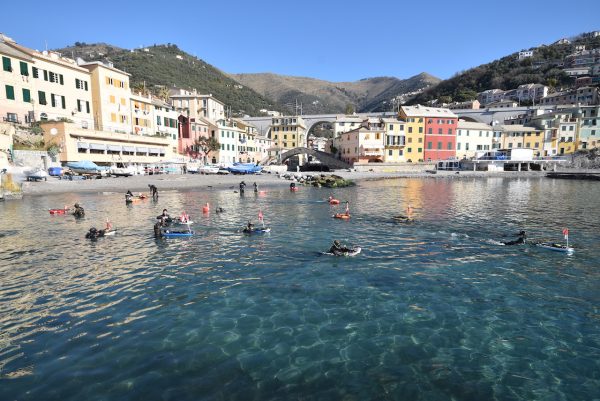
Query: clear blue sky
[[331, 40]]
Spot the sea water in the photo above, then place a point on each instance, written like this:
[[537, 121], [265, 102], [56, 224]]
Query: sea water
[[433, 310]]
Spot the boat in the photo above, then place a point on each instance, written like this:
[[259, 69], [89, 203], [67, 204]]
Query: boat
[[110, 232], [120, 170], [86, 167], [209, 169], [169, 233], [556, 247], [353, 252], [59, 211], [244, 168], [334, 201], [258, 230], [36, 174]]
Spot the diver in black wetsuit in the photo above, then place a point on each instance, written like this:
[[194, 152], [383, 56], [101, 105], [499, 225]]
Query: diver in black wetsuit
[[338, 249], [79, 212], [242, 186], [94, 233], [128, 197], [520, 239]]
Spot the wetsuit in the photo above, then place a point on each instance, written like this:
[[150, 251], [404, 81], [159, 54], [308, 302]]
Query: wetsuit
[[79, 212], [518, 241]]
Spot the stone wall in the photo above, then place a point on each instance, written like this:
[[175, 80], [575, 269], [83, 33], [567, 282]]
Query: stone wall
[[394, 167], [33, 158]]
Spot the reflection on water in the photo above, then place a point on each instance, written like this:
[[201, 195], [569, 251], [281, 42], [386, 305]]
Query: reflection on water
[[429, 310]]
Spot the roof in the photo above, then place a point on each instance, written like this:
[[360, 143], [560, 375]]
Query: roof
[[424, 111], [92, 64], [518, 128], [472, 125], [10, 51], [346, 119]]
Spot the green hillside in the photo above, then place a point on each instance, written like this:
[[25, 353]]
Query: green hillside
[[508, 73], [160, 67]]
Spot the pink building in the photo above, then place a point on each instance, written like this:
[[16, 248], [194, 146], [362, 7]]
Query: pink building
[[440, 134]]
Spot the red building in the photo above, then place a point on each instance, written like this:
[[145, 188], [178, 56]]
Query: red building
[[190, 130], [440, 133]]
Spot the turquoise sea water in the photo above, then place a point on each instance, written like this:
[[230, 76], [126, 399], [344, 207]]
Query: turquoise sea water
[[435, 310]]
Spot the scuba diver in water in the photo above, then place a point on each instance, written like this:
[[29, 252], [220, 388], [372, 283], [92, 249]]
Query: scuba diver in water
[[158, 228], [249, 227], [94, 233], [153, 191], [292, 186], [520, 239], [220, 210], [128, 197], [338, 249], [164, 217], [242, 186], [79, 212]]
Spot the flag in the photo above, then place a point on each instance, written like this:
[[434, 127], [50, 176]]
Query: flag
[[260, 215], [566, 233]]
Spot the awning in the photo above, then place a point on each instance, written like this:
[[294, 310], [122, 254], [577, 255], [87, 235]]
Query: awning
[[114, 148], [83, 145], [162, 152], [128, 149], [153, 150], [141, 150], [97, 146]]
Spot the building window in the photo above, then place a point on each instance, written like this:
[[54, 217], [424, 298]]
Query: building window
[[63, 102], [409, 150], [419, 150], [439, 131], [390, 152], [439, 145], [35, 72], [430, 131], [450, 131], [42, 98], [24, 68], [420, 130], [429, 145], [10, 92], [26, 95], [6, 65], [410, 130], [450, 146], [458, 146]]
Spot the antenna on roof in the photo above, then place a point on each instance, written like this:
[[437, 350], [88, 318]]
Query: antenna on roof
[[46, 43]]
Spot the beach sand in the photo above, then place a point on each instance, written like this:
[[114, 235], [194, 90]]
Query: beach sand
[[140, 183]]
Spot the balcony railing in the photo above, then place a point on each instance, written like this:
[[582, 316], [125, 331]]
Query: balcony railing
[[11, 120]]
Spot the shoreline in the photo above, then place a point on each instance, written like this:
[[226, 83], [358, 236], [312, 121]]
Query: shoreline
[[197, 181]]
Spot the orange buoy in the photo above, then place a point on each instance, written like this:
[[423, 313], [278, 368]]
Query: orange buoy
[[333, 201], [206, 208]]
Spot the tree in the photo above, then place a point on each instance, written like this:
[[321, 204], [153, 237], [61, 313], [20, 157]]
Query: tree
[[349, 109], [207, 145]]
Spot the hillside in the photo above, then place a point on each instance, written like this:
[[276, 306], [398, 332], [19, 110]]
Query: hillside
[[318, 96], [509, 72], [167, 65]]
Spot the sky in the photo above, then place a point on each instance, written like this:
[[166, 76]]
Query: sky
[[331, 40]]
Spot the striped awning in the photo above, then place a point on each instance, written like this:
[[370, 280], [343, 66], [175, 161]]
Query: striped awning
[[97, 146], [114, 148], [141, 150], [83, 145], [128, 149]]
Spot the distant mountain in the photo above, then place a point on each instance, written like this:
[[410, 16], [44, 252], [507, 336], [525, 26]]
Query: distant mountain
[[160, 66], [318, 96], [509, 72]]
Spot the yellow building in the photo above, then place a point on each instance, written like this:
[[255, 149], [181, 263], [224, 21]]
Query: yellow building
[[104, 147], [110, 97], [415, 133], [287, 132]]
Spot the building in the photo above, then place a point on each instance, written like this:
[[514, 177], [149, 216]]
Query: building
[[439, 127], [362, 145], [229, 135], [110, 97], [490, 96], [345, 123], [104, 147], [142, 114], [166, 122], [473, 137], [525, 54], [41, 86], [414, 130], [468, 105], [395, 140], [287, 132], [531, 92], [589, 129], [194, 105]]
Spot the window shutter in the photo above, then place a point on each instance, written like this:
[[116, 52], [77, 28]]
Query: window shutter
[[10, 92], [78, 105], [45, 75], [24, 69], [26, 95], [61, 79], [87, 107], [63, 102]]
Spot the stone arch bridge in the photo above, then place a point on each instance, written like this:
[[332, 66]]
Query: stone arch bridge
[[326, 158]]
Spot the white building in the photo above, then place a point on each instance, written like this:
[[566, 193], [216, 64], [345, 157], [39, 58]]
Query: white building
[[525, 54], [345, 123], [472, 137]]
